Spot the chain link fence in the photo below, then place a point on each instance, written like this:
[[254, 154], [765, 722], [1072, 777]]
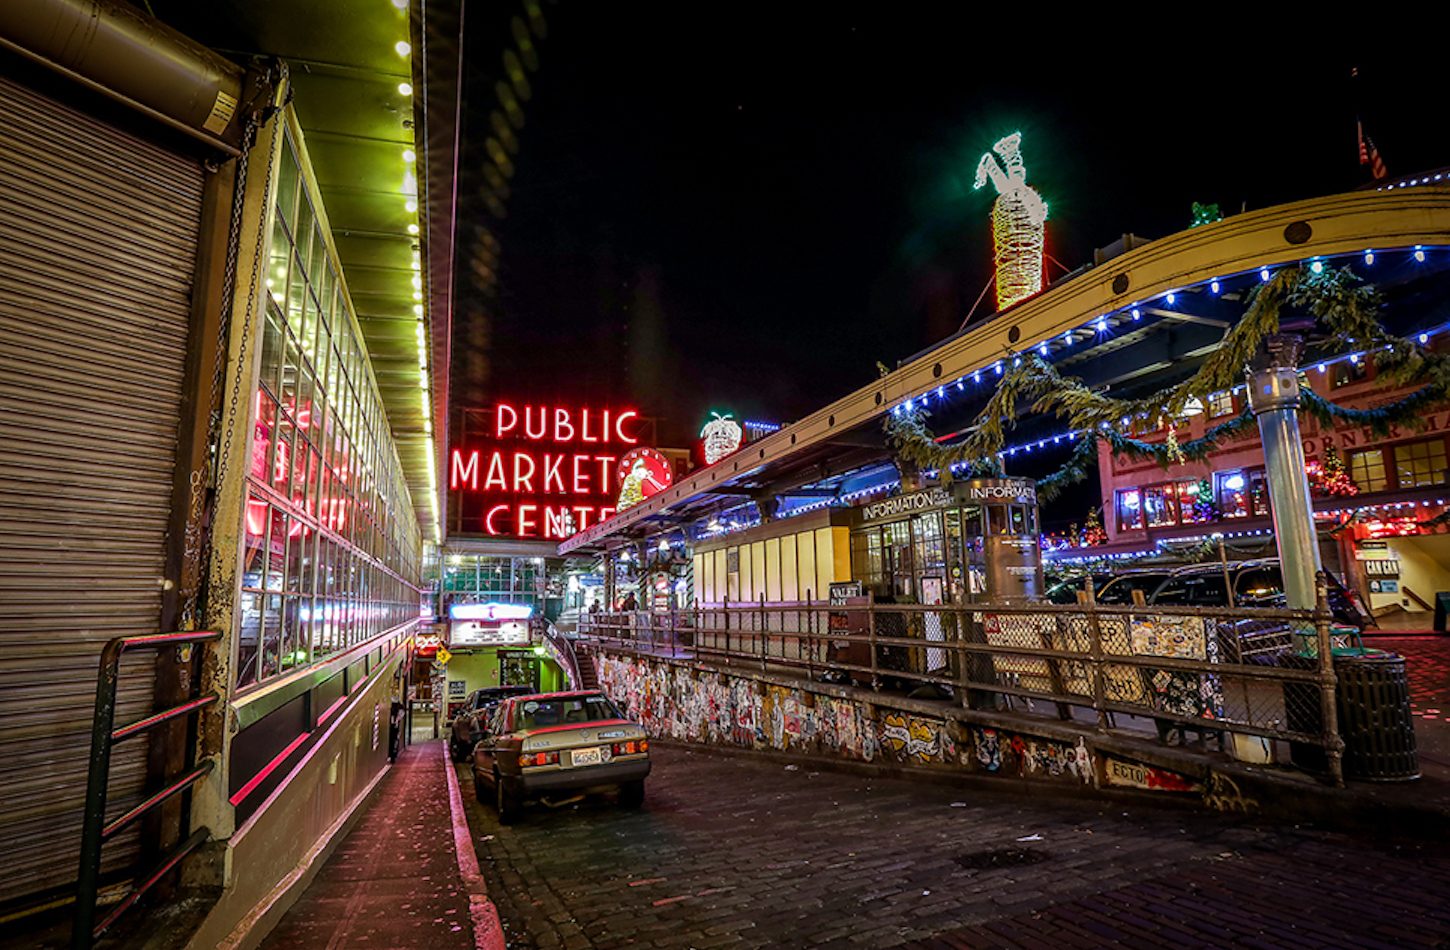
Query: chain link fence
[[1234, 678]]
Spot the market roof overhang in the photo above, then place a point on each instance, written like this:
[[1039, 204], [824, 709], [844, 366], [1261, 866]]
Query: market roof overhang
[[1119, 309], [377, 98]]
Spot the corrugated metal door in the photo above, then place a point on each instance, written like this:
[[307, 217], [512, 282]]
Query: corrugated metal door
[[97, 251]]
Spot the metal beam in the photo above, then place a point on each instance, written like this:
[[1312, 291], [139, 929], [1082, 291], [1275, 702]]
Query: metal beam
[[1337, 224]]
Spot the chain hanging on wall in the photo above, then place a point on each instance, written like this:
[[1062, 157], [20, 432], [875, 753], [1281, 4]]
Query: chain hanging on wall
[[205, 482]]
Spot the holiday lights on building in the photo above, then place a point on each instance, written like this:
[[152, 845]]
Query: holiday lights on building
[[1019, 216]]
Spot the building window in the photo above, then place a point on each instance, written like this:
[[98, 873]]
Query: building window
[[1259, 492], [1420, 463], [1160, 506], [1347, 373], [330, 548], [1187, 507], [1130, 509], [1367, 468], [1232, 491], [1221, 404]]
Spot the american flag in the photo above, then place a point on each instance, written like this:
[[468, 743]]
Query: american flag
[[1369, 155]]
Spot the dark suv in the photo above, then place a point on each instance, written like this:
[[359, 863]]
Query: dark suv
[[1258, 583], [467, 726]]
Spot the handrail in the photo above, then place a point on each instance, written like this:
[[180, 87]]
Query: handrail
[[564, 652], [104, 735], [1260, 672]]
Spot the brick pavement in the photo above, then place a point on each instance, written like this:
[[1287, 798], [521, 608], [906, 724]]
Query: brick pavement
[[743, 852], [394, 881]]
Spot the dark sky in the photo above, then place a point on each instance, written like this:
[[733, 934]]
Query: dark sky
[[745, 209]]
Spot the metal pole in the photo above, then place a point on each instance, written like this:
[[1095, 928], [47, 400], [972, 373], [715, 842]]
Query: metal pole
[[1228, 584], [871, 637], [1095, 645], [1328, 683], [810, 638], [1274, 397], [97, 778]]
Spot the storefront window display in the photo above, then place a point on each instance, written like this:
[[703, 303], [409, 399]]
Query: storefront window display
[[1130, 509], [330, 554]]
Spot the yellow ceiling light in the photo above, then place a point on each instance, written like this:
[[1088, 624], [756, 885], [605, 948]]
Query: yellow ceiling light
[[409, 155], [405, 89], [402, 46], [411, 204], [417, 282], [417, 310], [412, 229], [417, 295]]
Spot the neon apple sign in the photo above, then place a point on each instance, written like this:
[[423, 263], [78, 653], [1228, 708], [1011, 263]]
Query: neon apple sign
[[539, 472]]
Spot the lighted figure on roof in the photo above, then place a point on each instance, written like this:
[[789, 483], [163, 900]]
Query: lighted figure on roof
[[722, 436], [1019, 219]]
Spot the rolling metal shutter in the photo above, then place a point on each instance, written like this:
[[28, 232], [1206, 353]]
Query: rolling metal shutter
[[97, 252]]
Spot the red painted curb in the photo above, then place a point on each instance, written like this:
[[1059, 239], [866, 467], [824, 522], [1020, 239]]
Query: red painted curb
[[487, 929]]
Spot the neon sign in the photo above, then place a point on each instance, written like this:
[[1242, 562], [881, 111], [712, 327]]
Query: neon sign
[[538, 471], [490, 611], [642, 472]]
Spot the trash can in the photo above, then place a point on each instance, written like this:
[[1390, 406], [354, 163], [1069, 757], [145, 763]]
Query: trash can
[[1372, 698], [1374, 716]]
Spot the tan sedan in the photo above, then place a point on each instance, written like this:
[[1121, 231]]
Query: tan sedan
[[539, 745]]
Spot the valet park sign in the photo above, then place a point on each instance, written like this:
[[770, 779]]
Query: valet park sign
[[538, 472]]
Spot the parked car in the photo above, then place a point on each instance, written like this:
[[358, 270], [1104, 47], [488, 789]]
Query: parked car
[[1119, 590], [545, 743], [467, 727], [1257, 583], [1065, 591]]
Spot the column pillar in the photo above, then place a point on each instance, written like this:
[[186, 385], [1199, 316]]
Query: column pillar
[[1274, 398]]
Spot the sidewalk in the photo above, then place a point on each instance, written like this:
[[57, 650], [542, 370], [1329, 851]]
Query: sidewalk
[[398, 879]]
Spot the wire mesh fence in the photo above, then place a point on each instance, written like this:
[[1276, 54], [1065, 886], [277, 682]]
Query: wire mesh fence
[[1225, 675]]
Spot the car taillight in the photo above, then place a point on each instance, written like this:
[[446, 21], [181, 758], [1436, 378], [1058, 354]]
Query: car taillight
[[539, 758], [633, 747]]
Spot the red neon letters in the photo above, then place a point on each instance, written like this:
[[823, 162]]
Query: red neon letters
[[539, 471]]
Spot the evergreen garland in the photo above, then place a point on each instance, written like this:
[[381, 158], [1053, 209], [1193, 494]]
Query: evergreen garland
[[1336, 298]]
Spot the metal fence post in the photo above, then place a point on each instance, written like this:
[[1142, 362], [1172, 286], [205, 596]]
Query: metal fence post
[[810, 617], [1095, 647], [871, 637], [1328, 682], [764, 642], [725, 612], [94, 817]]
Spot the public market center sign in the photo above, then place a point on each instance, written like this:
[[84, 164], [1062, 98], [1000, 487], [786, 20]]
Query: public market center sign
[[538, 472]]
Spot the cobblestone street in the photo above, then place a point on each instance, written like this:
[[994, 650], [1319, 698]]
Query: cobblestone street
[[735, 851]]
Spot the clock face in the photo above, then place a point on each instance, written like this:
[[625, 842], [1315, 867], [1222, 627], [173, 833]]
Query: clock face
[[653, 470]]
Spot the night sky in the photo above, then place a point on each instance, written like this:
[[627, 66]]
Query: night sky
[[746, 210]]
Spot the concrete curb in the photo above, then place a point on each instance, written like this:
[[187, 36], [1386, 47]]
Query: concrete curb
[[487, 928]]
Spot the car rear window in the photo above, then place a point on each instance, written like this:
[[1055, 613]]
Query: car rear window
[[540, 713], [1193, 590], [1119, 590]]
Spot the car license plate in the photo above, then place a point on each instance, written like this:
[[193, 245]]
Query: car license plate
[[586, 757]]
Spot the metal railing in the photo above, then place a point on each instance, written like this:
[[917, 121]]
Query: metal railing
[[96, 831], [1211, 671]]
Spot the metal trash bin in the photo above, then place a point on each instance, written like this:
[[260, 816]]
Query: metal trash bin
[[1372, 699], [1374, 716]]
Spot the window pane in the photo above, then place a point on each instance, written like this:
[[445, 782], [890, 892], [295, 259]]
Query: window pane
[[1368, 470], [1130, 509], [1232, 490], [1420, 463], [249, 631], [1159, 506]]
